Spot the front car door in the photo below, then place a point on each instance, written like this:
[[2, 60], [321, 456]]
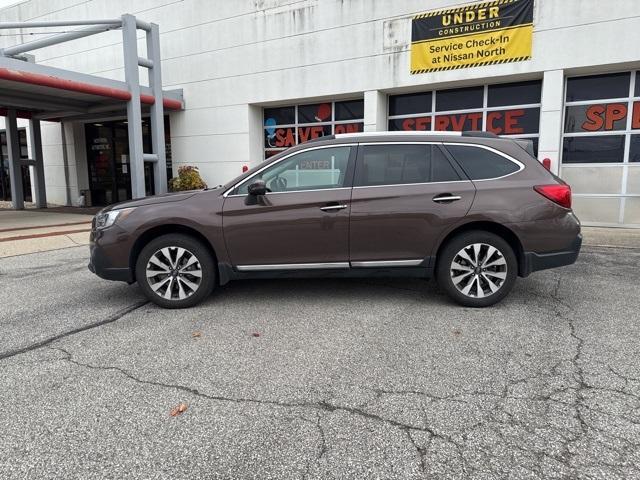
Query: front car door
[[302, 222], [404, 196]]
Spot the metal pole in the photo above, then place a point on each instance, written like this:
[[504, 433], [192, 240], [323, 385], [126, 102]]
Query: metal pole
[[15, 166], [40, 193], [65, 161], [157, 111], [53, 40], [63, 23], [134, 111]]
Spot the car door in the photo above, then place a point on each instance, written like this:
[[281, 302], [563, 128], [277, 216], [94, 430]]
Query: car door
[[302, 222], [404, 196]]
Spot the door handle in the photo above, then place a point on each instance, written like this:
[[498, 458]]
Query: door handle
[[330, 208], [446, 198]]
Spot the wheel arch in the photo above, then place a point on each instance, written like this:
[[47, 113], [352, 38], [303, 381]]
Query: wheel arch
[[488, 226], [159, 230]]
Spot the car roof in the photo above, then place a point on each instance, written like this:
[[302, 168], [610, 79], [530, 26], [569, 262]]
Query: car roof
[[408, 136]]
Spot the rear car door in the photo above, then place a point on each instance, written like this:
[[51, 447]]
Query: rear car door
[[404, 196], [303, 222]]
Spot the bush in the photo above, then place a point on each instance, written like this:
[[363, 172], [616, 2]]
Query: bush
[[188, 179]]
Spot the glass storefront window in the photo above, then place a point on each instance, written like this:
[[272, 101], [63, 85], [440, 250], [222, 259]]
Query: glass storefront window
[[593, 149], [287, 126], [459, 99], [590, 115], [595, 117], [352, 110], [601, 146], [281, 115], [634, 149], [597, 87], [511, 109], [410, 103], [521, 93]]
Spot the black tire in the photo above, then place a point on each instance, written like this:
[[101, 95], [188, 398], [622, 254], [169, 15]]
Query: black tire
[[480, 293], [182, 277]]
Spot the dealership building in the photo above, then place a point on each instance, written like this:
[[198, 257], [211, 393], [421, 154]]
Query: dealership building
[[254, 77]]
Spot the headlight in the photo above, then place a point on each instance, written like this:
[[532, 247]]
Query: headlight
[[106, 219]]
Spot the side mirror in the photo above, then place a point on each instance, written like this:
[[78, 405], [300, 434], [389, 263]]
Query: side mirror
[[258, 187]]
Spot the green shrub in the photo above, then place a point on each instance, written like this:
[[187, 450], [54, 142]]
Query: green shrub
[[188, 179]]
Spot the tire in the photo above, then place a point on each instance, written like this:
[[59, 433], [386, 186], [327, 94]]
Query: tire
[[191, 273], [477, 284]]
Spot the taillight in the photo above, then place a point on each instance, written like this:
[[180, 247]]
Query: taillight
[[558, 193]]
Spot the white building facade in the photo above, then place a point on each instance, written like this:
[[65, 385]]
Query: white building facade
[[261, 75]]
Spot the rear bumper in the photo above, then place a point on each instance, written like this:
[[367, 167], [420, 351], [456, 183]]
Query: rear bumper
[[532, 261]]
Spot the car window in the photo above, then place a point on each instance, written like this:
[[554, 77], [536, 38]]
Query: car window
[[310, 170], [402, 164], [480, 163]]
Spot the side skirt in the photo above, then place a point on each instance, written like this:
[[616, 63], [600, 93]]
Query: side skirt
[[228, 273]]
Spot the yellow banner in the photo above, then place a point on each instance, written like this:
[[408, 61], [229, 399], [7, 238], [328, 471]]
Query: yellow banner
[[500, 46], [480, 33]]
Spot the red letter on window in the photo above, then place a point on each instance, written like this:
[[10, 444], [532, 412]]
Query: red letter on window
[[594, 120], [442, 122], [511, 121], [635, 120], [615, 112], [491, 118]]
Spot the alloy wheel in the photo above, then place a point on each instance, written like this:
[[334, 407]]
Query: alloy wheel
[[174, 273], [478, 270]]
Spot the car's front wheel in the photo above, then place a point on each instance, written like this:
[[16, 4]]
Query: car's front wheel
[[477, 269], [175, 271]]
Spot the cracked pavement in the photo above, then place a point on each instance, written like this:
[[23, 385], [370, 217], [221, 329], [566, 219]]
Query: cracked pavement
[[347, 378]]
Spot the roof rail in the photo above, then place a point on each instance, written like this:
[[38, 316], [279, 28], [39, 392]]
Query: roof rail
[[479, 133], [320, 139], [398, 133]]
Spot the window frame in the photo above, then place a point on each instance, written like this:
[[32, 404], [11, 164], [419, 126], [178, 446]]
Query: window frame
[[463, 176], [484, 110], [348, 180], [632, 97], [629, 100], [296, 125]]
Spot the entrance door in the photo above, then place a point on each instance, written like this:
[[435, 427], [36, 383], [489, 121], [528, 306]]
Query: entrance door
[[5, 181], [404, 197], [302, 223], [110, 164]]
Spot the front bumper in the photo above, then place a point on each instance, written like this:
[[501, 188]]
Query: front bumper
[[532, 261], [106, 259]]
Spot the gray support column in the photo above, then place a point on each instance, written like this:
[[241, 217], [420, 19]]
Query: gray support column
[[375, 111], [134, 112], [13, 151], [157, 111], [550, 142], [40, 193]]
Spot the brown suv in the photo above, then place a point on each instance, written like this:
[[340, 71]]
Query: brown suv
[[472, 209]]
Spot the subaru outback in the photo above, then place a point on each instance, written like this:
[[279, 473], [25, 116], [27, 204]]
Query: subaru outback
[[473, 210]]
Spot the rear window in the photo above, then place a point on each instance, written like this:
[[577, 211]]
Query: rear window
[[402, 164], [480, 163]]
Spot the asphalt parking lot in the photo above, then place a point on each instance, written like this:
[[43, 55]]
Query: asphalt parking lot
[[320, 378]]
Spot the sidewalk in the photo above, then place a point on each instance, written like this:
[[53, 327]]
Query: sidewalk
[[30, 231], [611, 237]]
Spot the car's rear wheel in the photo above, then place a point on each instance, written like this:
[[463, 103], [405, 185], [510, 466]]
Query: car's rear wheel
[[477, 269], [175, 271]]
